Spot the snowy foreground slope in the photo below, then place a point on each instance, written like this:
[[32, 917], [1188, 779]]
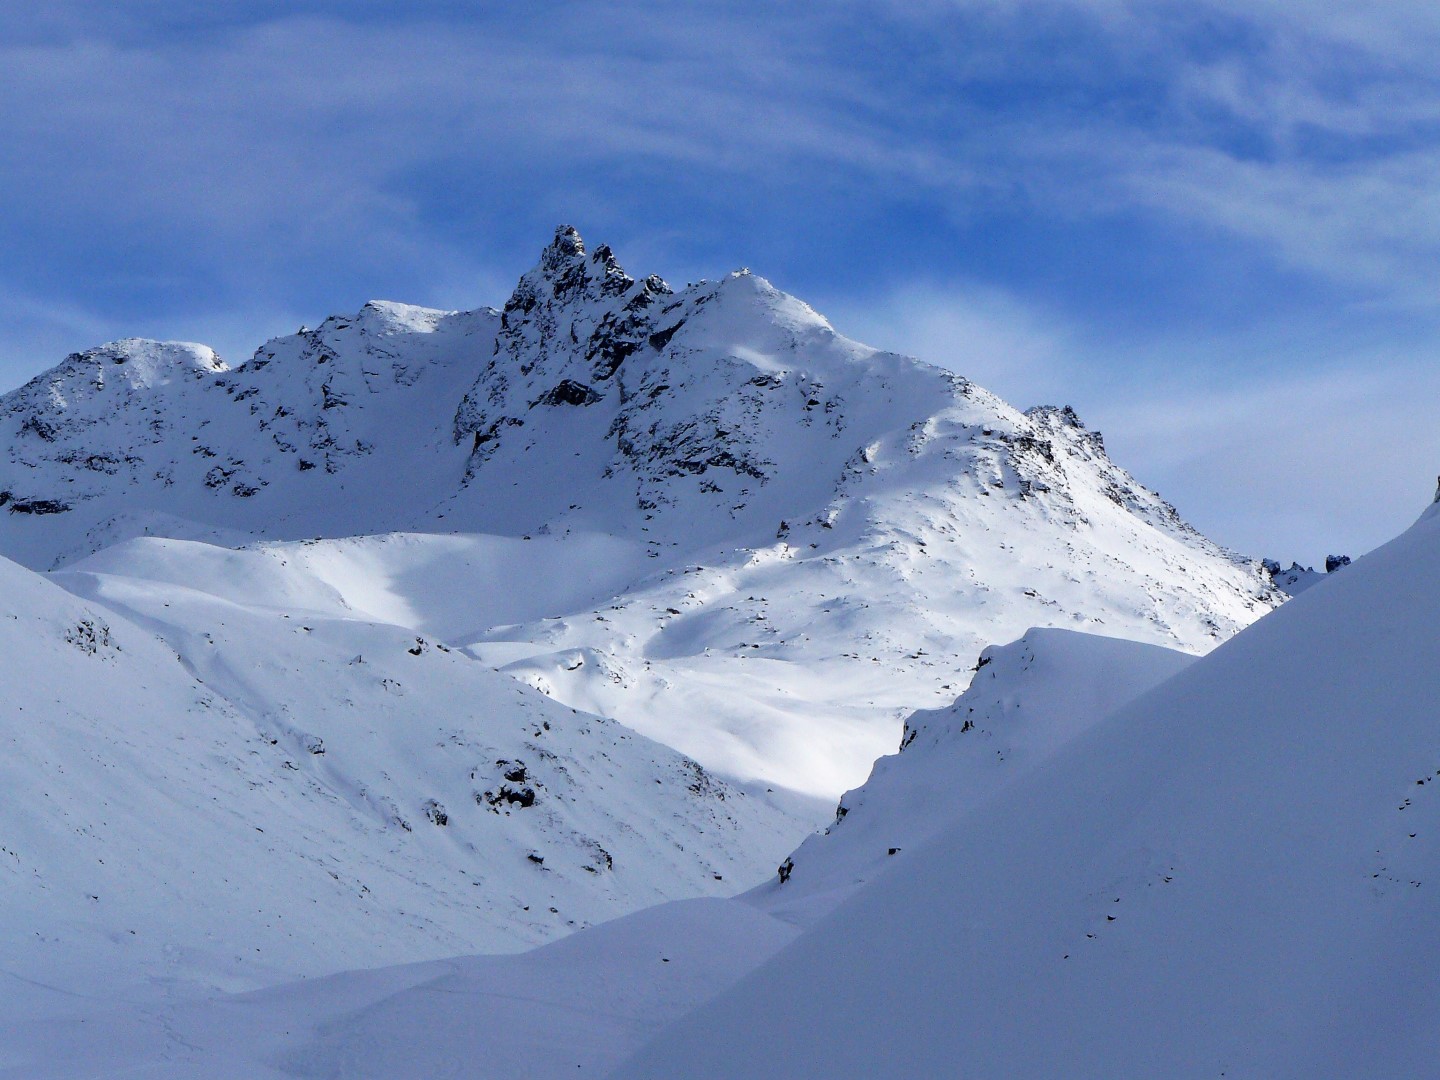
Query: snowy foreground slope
[[253, 795], [701, 512], [1231, 876], [1218, 878], [1029, 699], [582, 1005]]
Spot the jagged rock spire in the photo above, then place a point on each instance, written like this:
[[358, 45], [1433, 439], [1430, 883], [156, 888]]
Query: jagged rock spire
[[569, 325]]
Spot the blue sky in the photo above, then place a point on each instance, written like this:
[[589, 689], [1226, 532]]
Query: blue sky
[[1213, 227]]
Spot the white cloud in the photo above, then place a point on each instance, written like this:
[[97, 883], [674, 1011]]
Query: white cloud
[[1346, 458], [986, 334], [316, 126]]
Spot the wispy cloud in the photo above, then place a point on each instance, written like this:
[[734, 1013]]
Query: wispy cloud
[[1237, 117], [1339, 461], [1010, 347]]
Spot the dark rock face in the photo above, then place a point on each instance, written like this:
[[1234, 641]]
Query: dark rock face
[[577, 326], [573, 310], [568, 392], [523, 797], [1335, 562], [515, 772], [1291, 580], [91, 636], [18, 505], [523, 794]]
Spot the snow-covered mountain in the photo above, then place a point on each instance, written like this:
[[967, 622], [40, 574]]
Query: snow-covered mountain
[[790, 540], [1294, 580], [340, 430], [255, 728]]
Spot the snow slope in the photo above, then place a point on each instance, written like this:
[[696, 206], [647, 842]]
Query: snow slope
[[1227, 877], [203, 790], [1028, 701], [572, 1008], [589, 1001]]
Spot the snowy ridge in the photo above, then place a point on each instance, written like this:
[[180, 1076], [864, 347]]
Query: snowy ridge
[[126, 386], [1295, 580], [733, 404], [729, 401], [1029, 699], [135, 437]]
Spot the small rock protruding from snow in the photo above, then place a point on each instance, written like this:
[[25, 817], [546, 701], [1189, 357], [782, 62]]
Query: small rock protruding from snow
[[1294, 580]]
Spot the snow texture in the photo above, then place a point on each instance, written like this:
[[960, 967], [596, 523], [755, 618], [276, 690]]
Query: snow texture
[[199, 789]]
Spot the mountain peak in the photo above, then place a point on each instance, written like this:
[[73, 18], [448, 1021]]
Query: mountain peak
[[566, 246], [566, 275], [565, 260], [155, 356], [126, 365], [727, 420]]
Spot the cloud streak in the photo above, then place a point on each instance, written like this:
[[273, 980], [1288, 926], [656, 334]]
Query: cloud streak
[[314, 125]]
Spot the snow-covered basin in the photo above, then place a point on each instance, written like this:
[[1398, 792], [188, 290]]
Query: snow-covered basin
[[448, 585], [573, 1008]]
